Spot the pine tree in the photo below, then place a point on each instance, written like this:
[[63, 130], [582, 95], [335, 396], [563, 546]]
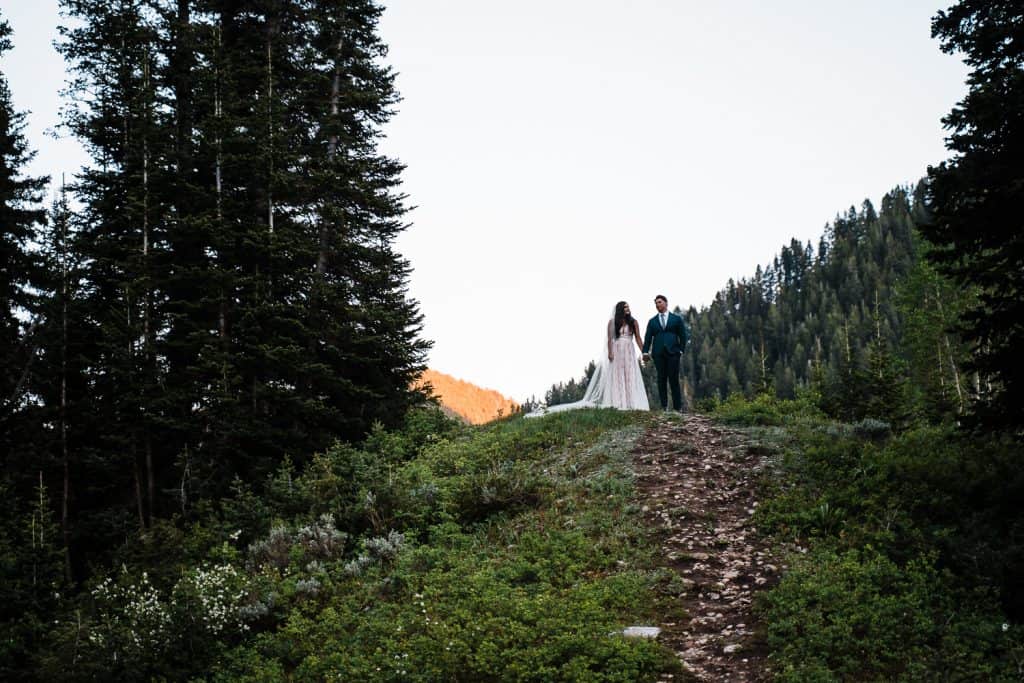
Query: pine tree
[[360, 287], [31, 577], [244, 296], [21, 217], [931, 305], [318, 337], [29, 544], [57, 379], [975, 198], [885, 386], [121, 243]]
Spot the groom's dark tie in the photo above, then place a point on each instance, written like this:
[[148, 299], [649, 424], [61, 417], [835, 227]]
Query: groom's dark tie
[[661, 317]]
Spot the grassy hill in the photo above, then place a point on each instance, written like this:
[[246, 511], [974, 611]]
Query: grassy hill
[[519, 550], [512, 551]]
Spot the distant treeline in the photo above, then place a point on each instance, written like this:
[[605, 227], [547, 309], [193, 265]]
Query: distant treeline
[[833, 317]]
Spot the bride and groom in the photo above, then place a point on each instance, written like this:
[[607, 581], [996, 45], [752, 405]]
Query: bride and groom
[[617, 381]]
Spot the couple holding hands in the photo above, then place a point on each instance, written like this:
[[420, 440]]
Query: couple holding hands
[[618, 382]]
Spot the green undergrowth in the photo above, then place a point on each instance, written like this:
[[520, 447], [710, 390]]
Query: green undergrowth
[[907, 547], [509, 552]]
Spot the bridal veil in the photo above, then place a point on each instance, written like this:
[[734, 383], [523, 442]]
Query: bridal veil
[[614, 384]]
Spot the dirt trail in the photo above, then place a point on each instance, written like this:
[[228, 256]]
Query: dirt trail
[[696, 481]]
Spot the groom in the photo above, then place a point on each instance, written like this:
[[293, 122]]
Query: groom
[[669, 335]]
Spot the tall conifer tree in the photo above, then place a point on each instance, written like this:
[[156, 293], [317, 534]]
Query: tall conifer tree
[[21, 216], [30, 570], [120, 118], [976, 197], [238, 236]]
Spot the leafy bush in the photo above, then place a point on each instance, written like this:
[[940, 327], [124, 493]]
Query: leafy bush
[[319, 540], [915, 550], [132, 619], [208, 600], [870, 428], [510, 551], [857, 615], [380, 551], [763, 409], [502, 564]]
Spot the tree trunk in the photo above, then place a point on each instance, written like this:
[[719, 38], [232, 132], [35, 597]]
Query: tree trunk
[[136, 474], [878, 319], [949, 352], [137, 480], [65, 525], [332, 152], [147, 311], [270, 130], [218, 113]]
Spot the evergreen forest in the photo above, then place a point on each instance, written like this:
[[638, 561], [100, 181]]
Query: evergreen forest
[[863, 318], [220, 462], [214, 297]]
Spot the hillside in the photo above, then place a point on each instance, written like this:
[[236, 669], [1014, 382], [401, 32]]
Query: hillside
[[527, 550], [466, 400], [509, 551], [863, 299]]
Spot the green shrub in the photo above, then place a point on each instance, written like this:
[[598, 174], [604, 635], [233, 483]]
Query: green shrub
[[763, 409], [510, 551], [857, 615], [909, 572]]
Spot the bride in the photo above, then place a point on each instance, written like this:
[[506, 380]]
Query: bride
[[616, 382]]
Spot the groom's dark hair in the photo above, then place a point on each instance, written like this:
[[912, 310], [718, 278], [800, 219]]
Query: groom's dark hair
[[662, 297]]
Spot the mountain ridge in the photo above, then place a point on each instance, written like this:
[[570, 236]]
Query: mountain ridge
[[467, 401]]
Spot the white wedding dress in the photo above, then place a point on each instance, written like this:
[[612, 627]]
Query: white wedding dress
[[616, 383]]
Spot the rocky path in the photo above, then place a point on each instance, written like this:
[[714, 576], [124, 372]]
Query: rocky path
[[697, 486]]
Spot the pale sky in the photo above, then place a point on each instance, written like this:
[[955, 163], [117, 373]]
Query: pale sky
[[567, 154]]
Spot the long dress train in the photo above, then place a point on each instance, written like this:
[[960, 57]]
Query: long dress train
[[617, 383]]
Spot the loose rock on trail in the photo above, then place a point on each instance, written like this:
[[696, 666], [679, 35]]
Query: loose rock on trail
[[696, 483]]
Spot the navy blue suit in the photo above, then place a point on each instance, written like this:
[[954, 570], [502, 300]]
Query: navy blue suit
[[666, 345]]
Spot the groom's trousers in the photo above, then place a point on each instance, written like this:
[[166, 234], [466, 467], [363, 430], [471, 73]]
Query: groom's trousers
[[667, 366]]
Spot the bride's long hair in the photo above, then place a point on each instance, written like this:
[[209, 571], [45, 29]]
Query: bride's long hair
[[621, 317]]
